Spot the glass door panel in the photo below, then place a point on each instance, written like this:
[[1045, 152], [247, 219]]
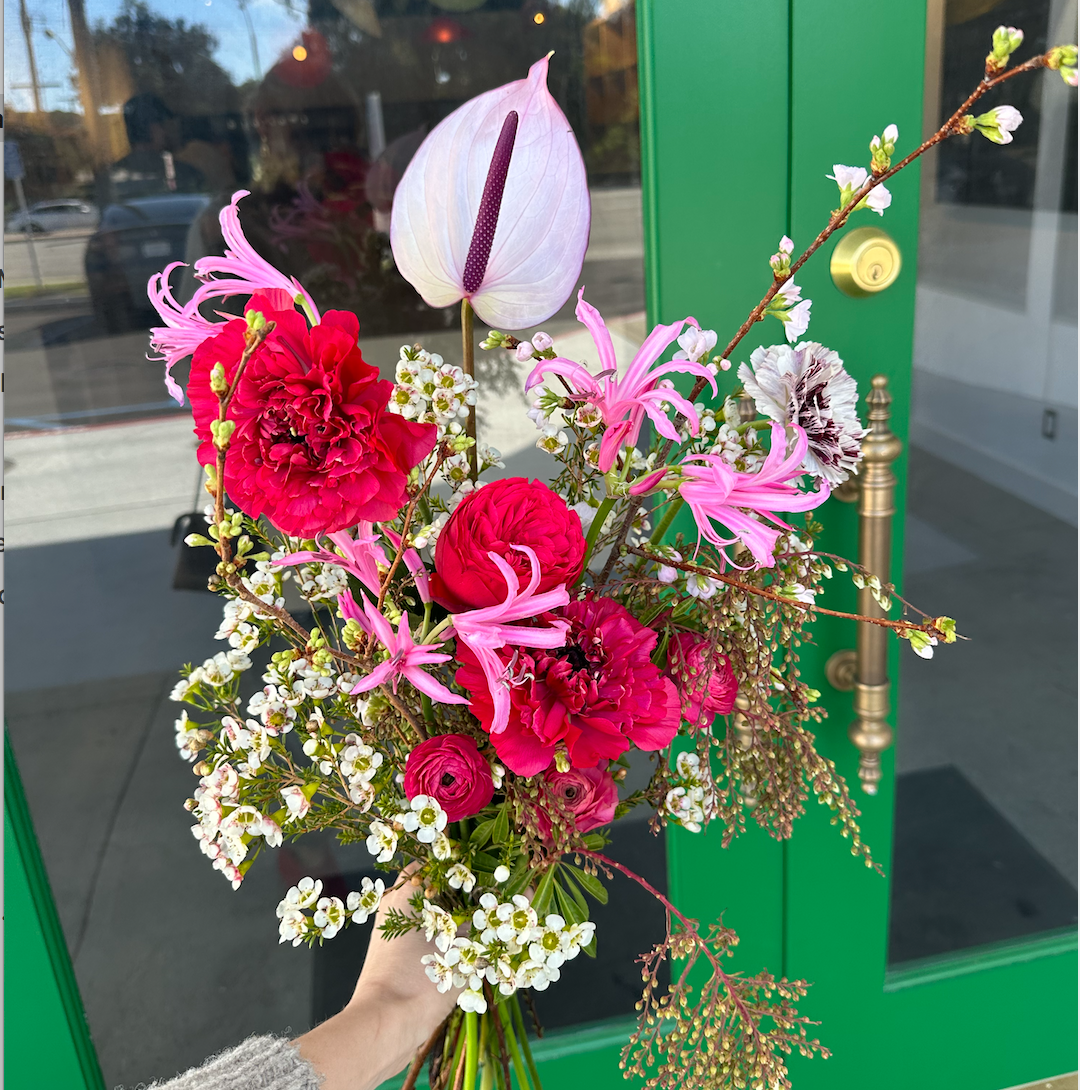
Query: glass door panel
[[146, 118], [985, 835]]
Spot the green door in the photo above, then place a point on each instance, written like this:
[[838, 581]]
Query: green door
[[752, 108]]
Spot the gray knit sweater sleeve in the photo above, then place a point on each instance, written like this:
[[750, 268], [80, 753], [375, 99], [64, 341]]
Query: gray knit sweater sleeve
[[260, 1063]]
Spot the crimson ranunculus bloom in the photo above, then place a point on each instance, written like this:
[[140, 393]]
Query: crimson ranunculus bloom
[[451, 770], [704, 677], [511, 511], [596, 696], [590, 795], [314, 448]]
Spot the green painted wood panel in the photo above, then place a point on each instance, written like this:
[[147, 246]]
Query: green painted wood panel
[[715, 183], [46, 1040]]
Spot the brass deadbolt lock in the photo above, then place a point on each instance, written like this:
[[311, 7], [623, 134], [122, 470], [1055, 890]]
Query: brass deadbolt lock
[[865, 262]]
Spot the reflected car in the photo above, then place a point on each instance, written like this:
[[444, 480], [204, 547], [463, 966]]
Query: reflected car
[[134, 240], [61, 215]]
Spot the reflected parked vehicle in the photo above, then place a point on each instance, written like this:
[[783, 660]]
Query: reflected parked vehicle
[[135, 240], [61, 215]]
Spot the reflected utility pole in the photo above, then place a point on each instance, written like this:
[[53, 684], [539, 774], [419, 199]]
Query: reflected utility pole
[[243, 6], [28, 34]]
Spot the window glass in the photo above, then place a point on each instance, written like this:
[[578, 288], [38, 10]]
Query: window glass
[[985, 846], [134, 123]]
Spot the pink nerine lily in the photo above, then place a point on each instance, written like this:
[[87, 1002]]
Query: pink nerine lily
[[486, 630], [494, 207], [240, 272], [716, 491], [406, 657], [625, 402], [362, 555]]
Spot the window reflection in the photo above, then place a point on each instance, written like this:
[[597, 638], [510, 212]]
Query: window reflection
[[137, 121], [985, 847]]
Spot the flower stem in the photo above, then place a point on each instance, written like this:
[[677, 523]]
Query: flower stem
[[468, 365], [504, 1015], [471, 1049], [523, 1037], [602, 512], [669, 517]]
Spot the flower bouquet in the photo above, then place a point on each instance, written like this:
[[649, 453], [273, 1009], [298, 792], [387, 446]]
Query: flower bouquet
[[483, 657]]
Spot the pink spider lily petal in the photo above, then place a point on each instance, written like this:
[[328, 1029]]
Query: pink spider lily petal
[[496, 211], [625, 402], [487, 630], [362, 555], [240, 272], [415, 566], [184, 329], [715, 491], [406, 659]]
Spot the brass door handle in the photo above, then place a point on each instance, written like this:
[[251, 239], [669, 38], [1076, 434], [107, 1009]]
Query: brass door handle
[[865, 261], [865, 671]]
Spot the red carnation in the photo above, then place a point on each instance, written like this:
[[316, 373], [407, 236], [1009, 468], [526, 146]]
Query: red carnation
[[314, 449], [704, 677], [512, 511], [589, 794], [595, 696], [451, 770]]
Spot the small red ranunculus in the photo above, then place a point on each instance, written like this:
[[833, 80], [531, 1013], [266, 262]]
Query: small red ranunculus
[[314, 449], [511, 511], [450, 768], [704, 678], [589, 794]]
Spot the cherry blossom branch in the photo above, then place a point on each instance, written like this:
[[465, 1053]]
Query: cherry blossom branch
[[953, 126], [928, 628]]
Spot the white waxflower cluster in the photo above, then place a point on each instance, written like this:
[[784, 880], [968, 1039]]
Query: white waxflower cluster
[[319, 582], [692, 801], [508, 948], [217, 671], [226, 828], [430, 391], [250, 741], [328, 914], [741, 452], [359, 763], [707, 424], [236, 626], [190, 737]]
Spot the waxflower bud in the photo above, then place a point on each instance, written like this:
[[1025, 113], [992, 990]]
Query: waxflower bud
[[218, 383]]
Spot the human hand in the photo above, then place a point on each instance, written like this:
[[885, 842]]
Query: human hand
[[394, 1009]]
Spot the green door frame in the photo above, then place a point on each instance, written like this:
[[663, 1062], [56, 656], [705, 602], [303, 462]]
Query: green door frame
[[745, 105]]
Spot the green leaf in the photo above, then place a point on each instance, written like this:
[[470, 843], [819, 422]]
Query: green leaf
[[596, 842], [591, 884], [545, 890], [485, 861], [571, 911], [591, 948], [519, 877], [501, 831], [482, 833]]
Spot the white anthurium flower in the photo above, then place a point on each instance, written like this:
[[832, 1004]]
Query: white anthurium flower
[[494, 207], [365, 902]]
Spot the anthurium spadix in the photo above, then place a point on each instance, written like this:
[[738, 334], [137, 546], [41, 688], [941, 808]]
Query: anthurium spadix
[[494, 207]]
